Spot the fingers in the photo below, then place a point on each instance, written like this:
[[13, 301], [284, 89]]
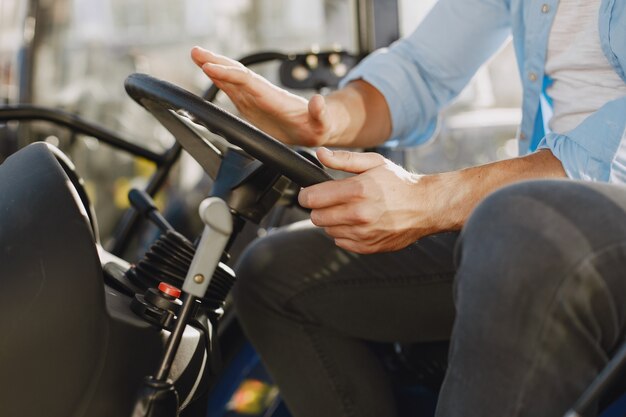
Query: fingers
[[226, 74], [330, 193], [346, 214], [354, 162], [201, 56], [355, 246], [219, 68], [363, 234]]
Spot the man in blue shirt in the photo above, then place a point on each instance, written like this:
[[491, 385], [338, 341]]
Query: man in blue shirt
[[539, 297]]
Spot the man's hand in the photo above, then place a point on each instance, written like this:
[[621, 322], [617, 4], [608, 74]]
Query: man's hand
[[383, 208], [281, 114], [356, 115]]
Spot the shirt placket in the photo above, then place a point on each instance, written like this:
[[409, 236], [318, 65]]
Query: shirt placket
[[539, 17]]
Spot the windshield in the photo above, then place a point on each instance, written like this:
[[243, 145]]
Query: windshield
[[84, 49]]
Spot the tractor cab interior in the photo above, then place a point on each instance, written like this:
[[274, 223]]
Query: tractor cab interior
[[132, 315]]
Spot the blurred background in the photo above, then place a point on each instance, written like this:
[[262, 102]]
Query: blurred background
[[75, 54]]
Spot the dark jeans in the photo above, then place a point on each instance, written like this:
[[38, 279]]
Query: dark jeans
[[537, 284]]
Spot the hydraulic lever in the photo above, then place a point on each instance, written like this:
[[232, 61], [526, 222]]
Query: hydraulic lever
[[145, 206], [158, 397]]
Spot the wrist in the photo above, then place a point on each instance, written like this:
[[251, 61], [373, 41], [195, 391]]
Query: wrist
[[447, 201], [358, 116], [339, 117]]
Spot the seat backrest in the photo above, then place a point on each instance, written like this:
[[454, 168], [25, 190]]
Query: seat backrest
[[53, 321]]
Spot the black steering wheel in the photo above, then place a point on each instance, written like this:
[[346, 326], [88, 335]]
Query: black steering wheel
[[168, 103]]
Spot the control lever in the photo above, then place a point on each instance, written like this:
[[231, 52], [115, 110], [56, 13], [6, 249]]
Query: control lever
[[144, 204], [158, 397], [585, 406]]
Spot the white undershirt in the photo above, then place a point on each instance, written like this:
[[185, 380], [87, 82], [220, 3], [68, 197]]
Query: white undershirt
[[584, 80]]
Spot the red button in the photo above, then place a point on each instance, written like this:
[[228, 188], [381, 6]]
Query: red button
[[166, 288]]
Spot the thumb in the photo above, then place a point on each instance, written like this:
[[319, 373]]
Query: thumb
[[317, 107], [354, 162]]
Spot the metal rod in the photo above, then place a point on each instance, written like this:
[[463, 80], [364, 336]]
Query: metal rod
[[173, 342], [26, 54], [363, 25], [377, 24], [79, 125], [26, 58]]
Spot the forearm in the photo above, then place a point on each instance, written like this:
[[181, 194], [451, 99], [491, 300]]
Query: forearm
[[360, 116], [385, 208], [457, 193]]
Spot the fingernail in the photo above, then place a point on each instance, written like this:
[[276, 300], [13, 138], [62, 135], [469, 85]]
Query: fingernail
[[326, 150], [302, 197]]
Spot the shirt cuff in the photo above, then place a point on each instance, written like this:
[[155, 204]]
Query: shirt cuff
[[576, 161], [596, 149], [378, 70]]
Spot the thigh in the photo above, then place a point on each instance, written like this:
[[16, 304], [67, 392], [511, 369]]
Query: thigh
[[541, 298], [398, 296], [531, 236]]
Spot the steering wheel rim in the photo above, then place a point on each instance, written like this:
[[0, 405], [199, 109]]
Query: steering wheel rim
[[162, 98]]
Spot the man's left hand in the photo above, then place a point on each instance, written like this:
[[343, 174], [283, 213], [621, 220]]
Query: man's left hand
[[383, 208]]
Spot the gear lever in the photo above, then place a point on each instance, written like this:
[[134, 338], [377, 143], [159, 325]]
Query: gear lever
[[145, 206], [158, 397]]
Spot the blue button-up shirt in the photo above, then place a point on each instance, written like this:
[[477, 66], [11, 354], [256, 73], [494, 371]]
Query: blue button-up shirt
[[421, 73]]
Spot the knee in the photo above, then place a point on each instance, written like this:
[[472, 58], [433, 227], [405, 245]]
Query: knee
[[508, 224], [540, 249], [534, 220], [515, 207], [272, 269], [551, 215], [516, 245], [257, 271]]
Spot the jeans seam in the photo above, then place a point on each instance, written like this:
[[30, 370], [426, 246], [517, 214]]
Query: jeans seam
[[346, 402], [549, 315]]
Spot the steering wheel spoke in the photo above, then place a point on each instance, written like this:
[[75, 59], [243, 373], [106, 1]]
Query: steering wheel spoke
[[206, 154], [168, 103]]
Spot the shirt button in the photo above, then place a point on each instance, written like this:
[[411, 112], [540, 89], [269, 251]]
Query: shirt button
[[545, 8], [522, 136], [532, 76]]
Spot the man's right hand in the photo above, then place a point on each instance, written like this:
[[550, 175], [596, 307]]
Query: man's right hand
[[283, 115], [354, 116]]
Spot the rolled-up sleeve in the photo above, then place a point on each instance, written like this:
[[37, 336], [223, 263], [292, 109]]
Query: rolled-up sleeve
[[421, 73], [596, 149]]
